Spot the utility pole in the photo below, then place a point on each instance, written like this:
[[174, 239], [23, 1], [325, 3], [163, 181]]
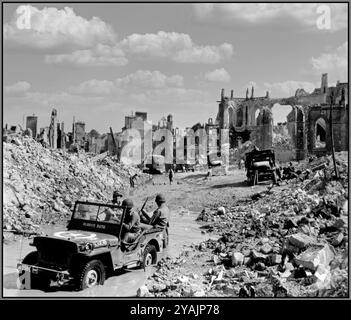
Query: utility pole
[[331, 134]]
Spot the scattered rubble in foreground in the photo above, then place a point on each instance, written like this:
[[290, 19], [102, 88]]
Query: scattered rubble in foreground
[[41, 185], [289, 241]]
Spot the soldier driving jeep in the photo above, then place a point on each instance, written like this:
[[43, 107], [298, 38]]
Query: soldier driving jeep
[[131, 225]]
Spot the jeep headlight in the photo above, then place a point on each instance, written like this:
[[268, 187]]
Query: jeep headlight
[[85, 247]]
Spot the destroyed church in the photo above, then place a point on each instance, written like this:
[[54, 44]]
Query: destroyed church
[[250, 119]]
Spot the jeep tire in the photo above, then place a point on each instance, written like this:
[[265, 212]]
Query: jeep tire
[[149, 256], [91, 273]]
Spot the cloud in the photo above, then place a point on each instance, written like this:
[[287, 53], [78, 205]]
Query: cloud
[[178, 47], [68, 38], [51, 27], [17, 89], [150, 79], [101, 55], [93, 87], [144, 79], [218, 75], [334, 63], [288, 88], [305, 14]]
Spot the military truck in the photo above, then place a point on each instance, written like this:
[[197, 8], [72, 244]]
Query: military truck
[[260, 166], [88, 250]]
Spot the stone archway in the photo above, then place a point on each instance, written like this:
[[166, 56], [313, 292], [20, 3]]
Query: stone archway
[[320, 134], [239, 117]]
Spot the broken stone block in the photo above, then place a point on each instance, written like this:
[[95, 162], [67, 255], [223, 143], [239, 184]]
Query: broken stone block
[[301, 240], [260, 266], [247, 291], [315, 256], [290, 223], [143, 292], [246, 252], [322, 273], [183, 279], [221, 211], [187, 292], [289, 266], [338, 239], [340, 223], [216, 260], [264, 290], [264, 240], [247, 261], [230, 290], [266, 248], [199, 293], [237, 259], [275, 259], [158, 287], [257, 255]]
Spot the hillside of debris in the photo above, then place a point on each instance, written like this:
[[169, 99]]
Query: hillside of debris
[[41, 185], [288, 241]]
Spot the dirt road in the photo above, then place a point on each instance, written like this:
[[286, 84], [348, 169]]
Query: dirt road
[[186, 197]]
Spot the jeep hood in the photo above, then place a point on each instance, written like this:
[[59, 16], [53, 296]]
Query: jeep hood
[[79, 236]]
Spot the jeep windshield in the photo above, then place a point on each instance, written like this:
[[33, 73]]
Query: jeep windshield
[[96, 216]]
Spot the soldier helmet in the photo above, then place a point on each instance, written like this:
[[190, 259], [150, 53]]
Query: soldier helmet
[[160, 198], [128, 203]]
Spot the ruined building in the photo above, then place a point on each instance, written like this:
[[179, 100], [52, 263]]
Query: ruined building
[[31, 124], [250, 118]]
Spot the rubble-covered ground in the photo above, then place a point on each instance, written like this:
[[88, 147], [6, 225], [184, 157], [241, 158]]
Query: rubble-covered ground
[[286, 241], [41, 185]]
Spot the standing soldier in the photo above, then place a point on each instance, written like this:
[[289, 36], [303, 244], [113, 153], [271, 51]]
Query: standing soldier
[[170, 175]]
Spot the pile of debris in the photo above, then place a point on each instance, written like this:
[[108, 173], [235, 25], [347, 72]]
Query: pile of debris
[[284, 242], [41, 185], [282, 142]]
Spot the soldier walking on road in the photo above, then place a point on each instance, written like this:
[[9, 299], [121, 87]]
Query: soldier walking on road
[[170, 175]]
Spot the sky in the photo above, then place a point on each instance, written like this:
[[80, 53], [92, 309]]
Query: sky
[[100, 62]]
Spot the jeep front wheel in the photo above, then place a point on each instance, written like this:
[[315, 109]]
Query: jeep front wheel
[[149, 256], [91, 275]]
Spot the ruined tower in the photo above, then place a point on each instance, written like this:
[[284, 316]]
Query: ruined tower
[[31, 123], [53, 129], [324, 83]]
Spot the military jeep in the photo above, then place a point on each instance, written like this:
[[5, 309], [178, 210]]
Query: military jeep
[[260, 166], [88, 250]]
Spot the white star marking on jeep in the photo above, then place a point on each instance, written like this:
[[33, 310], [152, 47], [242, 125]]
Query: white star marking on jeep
[[68, 234]]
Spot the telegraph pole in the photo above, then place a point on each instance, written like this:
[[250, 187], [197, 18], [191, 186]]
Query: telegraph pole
[[331, 134]]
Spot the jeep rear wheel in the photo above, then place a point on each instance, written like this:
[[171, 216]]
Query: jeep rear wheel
[[92, 274], [149, 256]]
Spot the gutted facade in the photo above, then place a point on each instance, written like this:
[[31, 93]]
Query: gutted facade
[[308, 123]]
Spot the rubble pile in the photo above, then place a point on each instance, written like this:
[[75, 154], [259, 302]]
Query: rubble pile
[[282, 142], [284, 242], [41, 185]]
